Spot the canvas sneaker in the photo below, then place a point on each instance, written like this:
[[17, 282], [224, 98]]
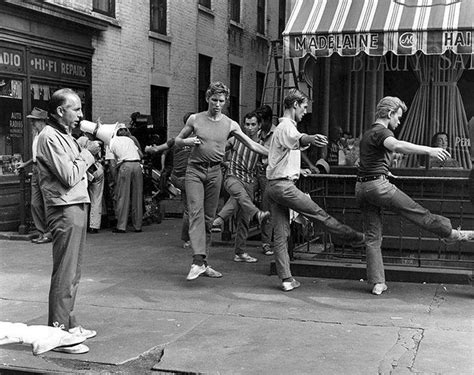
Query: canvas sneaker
[[245, 258], [195, 271], [379, 288], [217, 225], [266, 249], [210, 272], [81, 331], [290, 285]]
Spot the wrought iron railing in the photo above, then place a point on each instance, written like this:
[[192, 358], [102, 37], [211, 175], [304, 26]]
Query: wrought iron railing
[[404, 244]]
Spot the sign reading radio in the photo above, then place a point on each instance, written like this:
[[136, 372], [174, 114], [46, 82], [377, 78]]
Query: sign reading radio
[[58, 68], [11, 60]]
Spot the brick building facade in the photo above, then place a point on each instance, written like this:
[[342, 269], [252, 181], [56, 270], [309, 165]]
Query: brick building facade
[[155, 57]]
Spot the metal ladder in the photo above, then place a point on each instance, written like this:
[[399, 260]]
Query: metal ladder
[[280, 77]]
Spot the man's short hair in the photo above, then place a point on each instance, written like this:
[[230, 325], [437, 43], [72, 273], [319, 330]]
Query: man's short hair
[[265, 112], [58, 99], [252, 114], [389, 104], [217, 88], [294, 95]]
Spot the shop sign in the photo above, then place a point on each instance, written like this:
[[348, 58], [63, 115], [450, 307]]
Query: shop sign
[[11, 60], [16, 125], [59, 68], [432, 42], [396, 63]]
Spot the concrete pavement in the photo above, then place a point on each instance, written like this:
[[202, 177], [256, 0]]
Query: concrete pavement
[[151, 320]]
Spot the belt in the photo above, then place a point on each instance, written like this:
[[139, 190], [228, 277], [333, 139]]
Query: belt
[[207, 164], [284, 179], [131, 161], [371, 178]]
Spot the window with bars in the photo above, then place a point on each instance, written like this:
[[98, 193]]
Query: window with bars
[[261, 17], [234, 92], [158, 13], [234, 7], [204, 79], [106, 7]]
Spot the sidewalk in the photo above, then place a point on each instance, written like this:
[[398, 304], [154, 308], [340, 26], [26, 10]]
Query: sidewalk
[[150, 320]]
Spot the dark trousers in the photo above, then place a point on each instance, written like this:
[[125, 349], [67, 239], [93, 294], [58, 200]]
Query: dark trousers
[[68, 226]]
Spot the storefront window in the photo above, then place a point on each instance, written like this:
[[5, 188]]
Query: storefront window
[[12, 125]]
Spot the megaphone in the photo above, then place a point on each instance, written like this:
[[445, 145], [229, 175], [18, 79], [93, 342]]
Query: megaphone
[[103, 132]]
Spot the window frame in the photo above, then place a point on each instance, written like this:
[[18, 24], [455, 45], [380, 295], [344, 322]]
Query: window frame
[[110, 5], [261, 17], [204, 79], [163, 27], [235, 91], [233, 5]]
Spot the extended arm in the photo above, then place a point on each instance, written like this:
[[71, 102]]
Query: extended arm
[[395, 145]]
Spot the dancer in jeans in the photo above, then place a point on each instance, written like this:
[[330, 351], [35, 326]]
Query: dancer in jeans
[[284, 161], [374, 192], [207, 132]]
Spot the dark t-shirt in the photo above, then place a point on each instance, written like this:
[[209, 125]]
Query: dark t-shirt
[[374, 157]]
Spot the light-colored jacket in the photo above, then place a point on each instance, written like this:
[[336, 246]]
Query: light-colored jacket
[[62, 167]]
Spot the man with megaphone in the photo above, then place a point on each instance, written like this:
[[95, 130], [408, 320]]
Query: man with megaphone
[[62, 168]]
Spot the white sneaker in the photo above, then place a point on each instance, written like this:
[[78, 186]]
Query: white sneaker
[[244, 258], [290, 285], [458, 235], [73, 349], [195, 271], [81, 331], [210, 272], [379, 288]]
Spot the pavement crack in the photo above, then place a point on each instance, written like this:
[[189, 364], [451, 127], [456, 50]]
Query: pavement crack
[[438, 299], [400, 359]]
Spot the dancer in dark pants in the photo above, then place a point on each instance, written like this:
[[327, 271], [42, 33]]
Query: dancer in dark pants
[[374, 192]]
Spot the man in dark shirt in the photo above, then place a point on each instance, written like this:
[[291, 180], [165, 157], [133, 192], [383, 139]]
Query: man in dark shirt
[[374, 192]]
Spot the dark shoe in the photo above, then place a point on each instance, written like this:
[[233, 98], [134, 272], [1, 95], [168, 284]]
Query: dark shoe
[[115, 230], [42, 239], [138, 231], [93, 230]]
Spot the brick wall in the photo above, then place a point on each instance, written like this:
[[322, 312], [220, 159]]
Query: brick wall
[[128, 59]]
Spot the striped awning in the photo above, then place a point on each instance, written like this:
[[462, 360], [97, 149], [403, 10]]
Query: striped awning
[[348, 27]]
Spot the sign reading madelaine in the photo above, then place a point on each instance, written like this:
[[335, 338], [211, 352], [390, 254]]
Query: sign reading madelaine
[[377, 44]]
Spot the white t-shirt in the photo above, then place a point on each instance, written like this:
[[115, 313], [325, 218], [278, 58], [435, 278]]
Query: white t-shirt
[[124, 149]]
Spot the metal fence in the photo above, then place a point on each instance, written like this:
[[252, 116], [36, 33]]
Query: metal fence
[[404, 244]]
